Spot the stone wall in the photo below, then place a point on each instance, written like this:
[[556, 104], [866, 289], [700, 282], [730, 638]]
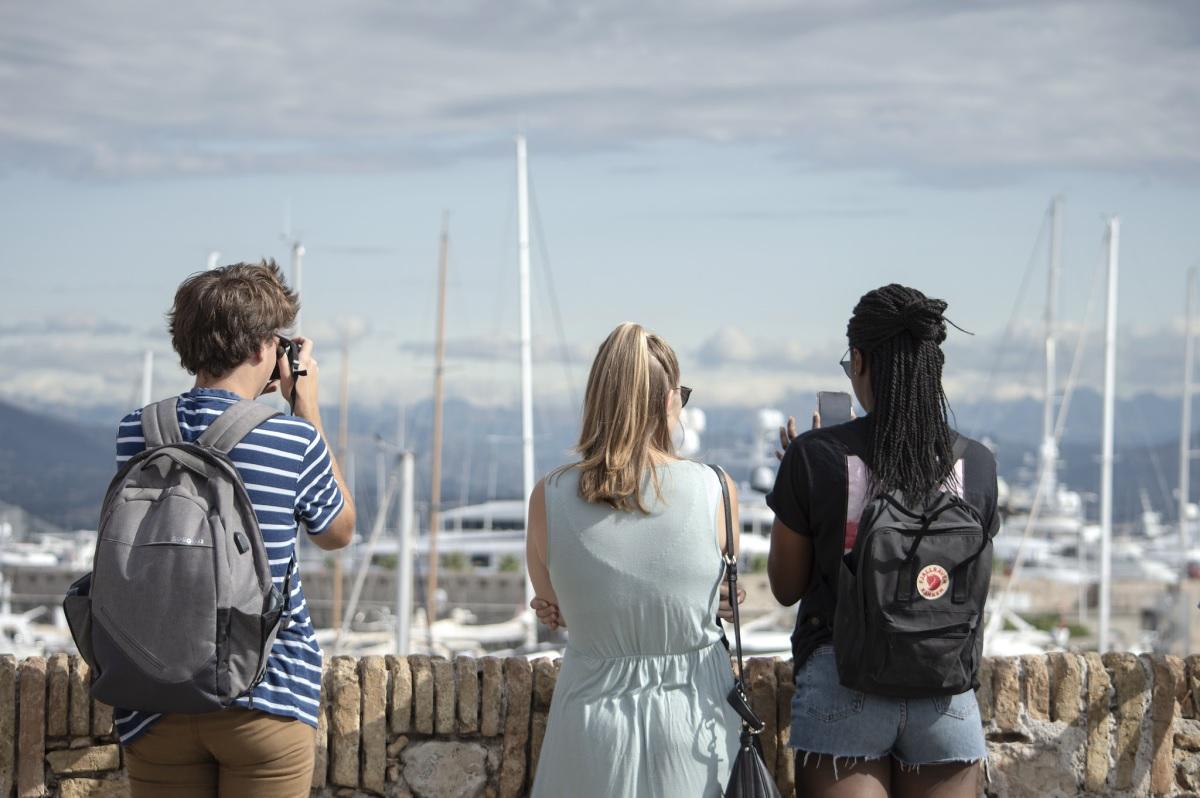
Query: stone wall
[[1058, 724]]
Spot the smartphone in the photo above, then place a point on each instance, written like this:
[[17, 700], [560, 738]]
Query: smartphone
[[834, 407]]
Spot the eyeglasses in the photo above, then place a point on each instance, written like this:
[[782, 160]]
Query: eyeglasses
[[685, 393], [847, 364]]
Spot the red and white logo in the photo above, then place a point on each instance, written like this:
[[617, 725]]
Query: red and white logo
[[933, 582]]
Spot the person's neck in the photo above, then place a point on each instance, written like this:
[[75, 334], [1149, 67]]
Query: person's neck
[[242, 381]]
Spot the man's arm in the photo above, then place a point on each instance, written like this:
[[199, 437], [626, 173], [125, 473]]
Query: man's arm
[[340, 531]]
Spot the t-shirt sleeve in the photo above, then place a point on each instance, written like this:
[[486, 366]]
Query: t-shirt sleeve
[[318, 498], [130, 438], [790, 497]]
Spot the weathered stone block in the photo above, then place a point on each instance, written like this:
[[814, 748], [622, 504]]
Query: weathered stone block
[[1131, 682], [1098, 720], [400, 703], [1191, 706], [518, 679], [1037, 686], [1066, 686], [1187, 742], [396, 747], [79, 716], [1168, 673], [94, 788], [1006, 687], [445, 702], [372, 674], [466, 677], [984, 696], [102, 720], [422, 679], [760, 683], [445, 769], [96, 759], [545, 675], [321, 738], [491, 696], [344, 723], [785, 687], [8, 725], [537, 733], [58, 672], [31, 728]]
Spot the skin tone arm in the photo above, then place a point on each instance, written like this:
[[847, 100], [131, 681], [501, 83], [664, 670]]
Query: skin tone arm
[[546, 601], [247, 381], [340, 531]]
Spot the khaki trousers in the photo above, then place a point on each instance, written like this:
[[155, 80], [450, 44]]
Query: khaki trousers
[[235, 753]]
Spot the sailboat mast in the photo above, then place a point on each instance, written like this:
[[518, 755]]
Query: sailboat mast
[[148, 377], [1049, 450], [526, 355], [297, 265], [435, 470], [1106, 457], [1185, 424]]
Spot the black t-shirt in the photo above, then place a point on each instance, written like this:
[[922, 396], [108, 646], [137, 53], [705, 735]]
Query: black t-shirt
[[820, 492]]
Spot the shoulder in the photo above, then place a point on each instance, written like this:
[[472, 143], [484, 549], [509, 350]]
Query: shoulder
[[131, 419], [976, 454], [289, 432], [836, 441]]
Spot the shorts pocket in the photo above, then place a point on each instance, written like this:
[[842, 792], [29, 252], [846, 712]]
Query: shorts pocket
[[822, 696], [955, 706]]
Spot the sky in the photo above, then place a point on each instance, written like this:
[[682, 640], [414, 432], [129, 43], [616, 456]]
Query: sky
[[733, 176]]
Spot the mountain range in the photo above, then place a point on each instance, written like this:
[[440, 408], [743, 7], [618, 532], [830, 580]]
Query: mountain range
[[56, 468]]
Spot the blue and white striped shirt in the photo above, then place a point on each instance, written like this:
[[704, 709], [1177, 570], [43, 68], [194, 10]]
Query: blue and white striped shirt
[[289, 476]]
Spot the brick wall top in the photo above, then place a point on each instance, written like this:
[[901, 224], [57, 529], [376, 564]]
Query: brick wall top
[[418, 726]]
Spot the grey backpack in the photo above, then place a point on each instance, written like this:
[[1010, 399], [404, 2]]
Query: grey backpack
[[179, 612]]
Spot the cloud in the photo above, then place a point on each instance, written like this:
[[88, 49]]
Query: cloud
[[978, 368], [937, 91], [545, 350], [76, 325]]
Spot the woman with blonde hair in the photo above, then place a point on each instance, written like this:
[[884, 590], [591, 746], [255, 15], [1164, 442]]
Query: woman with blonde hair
[[626, 546]]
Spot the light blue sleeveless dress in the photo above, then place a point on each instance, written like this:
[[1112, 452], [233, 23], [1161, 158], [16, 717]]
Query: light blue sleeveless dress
[[639, 708]]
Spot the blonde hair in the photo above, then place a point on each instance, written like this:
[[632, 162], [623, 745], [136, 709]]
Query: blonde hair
[[624, 417]]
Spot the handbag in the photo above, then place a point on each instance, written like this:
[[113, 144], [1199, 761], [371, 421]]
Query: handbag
[[749, 777]]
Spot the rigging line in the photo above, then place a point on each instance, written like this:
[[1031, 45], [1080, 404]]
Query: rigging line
[[1160, 476], [1012, 318], [568, 370], [1059, 427]]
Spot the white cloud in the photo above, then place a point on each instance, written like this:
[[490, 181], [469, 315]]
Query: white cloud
[[939, 91]]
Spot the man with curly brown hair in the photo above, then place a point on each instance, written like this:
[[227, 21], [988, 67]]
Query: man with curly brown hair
[[229, 327]]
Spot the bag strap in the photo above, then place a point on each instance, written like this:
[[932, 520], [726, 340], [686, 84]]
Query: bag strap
[[730, 558], [234, 424], [160, 423]]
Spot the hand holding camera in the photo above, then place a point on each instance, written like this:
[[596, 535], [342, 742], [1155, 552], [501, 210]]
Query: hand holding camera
[[296, 372]]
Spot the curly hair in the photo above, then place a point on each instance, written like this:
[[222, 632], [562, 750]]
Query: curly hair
[[221, 317]]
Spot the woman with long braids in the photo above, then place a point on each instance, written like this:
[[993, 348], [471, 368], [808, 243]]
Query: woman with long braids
[[847, 742]]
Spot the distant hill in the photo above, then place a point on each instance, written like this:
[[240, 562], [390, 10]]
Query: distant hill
[[54, 469], [58, 469]]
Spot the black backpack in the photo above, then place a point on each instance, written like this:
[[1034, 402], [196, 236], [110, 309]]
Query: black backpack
[[910, 598]]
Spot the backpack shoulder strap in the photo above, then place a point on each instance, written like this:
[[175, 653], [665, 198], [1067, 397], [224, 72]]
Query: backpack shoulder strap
[[160, 423], [234, 424]]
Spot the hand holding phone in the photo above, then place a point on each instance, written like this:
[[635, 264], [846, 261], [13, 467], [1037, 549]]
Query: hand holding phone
[[833, 408]]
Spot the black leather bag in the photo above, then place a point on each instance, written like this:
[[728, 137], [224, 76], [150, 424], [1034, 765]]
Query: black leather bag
[[749, 777]]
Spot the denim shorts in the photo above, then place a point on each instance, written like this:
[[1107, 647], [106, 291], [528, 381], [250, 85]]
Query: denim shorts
[[833, 720]]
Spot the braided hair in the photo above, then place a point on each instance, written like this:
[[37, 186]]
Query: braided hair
[[900, 330]]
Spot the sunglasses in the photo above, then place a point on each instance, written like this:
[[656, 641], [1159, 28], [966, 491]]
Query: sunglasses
[[847, 364], [685, 393]]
